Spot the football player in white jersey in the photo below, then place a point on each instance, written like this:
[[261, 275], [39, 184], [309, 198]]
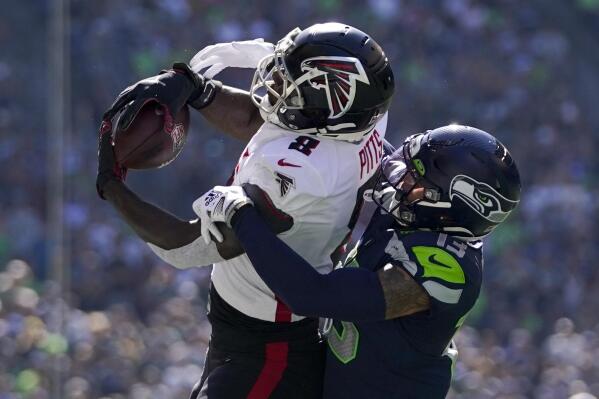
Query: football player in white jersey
[[319, 131]]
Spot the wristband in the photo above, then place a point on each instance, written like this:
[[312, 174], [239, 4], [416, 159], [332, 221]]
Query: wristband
[[196, 79], [206, 96], [205, 89]]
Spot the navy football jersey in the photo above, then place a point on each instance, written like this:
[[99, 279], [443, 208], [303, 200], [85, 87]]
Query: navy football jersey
[[410, 356]]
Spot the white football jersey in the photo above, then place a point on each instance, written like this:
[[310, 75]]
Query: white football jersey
[[315, 181]]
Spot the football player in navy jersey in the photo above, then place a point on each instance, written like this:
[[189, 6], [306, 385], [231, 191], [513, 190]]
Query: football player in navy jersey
[[414, 275]]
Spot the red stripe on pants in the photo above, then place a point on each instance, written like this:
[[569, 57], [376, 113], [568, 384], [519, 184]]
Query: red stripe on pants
[[275, 362], [272, 372]]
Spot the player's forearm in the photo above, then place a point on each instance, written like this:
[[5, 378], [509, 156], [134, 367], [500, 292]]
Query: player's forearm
[[345, 294], [233, 112], [149, 222]]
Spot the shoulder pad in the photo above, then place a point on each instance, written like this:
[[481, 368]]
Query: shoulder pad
[[280, 160], [292, 180]]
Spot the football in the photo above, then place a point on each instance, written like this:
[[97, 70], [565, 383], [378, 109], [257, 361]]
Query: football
[[145, 145]]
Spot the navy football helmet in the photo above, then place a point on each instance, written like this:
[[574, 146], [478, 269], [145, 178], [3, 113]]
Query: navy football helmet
[[328, 80], [468, 182]]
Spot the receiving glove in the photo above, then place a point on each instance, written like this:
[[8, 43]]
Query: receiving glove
[[108, 168], [172, 89], [219, 205], [244, 54]]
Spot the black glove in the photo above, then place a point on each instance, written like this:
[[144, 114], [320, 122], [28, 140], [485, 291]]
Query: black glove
[[108, 168], [172, 89]]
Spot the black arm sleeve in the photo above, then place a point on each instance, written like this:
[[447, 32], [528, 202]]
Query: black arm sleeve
[[350, 294]]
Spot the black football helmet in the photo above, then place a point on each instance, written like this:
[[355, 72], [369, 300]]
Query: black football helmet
[[329, 80], [471, 182]]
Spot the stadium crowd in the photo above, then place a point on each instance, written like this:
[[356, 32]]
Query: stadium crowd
[[136, 327]]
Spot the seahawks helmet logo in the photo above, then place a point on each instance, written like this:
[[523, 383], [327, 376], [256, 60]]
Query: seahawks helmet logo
[[482, 198], [337, 76]]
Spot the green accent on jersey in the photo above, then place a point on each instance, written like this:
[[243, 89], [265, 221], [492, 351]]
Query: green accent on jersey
[[440, 264], [345, 345], [419, 166], [462, 320], [350, 260]]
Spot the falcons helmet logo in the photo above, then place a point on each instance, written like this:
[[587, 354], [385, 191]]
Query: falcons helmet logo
[[337, 76]]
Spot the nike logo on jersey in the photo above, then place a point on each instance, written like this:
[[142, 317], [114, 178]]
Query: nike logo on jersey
[[433, 260], [283, 163]]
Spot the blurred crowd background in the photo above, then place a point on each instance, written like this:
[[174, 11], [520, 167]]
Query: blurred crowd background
[[134, 327]]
